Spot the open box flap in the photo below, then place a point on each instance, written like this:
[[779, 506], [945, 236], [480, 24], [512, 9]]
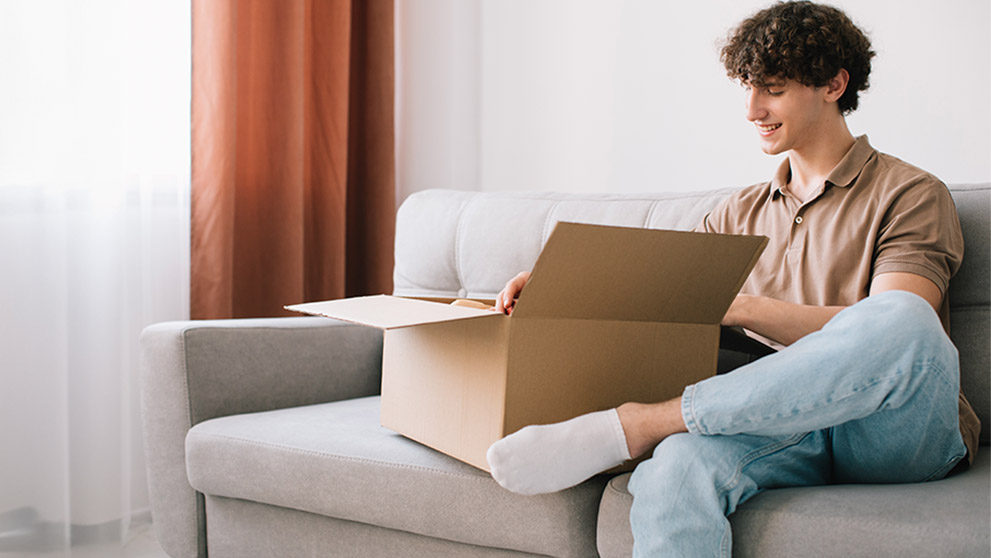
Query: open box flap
[[629, 274], [389, 312]]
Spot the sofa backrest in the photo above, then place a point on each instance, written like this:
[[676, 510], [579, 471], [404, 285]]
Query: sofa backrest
[[970, 299], [456, 244]]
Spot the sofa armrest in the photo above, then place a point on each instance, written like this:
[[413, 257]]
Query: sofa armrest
[[197, 370]]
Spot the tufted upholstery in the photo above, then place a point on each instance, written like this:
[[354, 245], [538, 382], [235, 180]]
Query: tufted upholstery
[[467, 245]]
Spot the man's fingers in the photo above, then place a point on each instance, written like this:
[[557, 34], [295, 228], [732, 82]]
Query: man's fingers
[[506, 298]]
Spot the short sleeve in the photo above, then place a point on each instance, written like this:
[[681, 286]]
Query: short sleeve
[[710, 223], [736, 213], [920, 234]]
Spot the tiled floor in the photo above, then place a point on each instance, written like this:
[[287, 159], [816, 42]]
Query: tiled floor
[[140, 543]]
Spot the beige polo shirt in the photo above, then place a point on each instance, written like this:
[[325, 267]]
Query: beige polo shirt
[[875, 214]]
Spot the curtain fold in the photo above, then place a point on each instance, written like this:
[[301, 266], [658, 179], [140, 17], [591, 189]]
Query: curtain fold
[[293, 187]]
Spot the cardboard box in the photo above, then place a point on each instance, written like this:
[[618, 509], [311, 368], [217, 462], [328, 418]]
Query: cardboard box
[[610, 315]]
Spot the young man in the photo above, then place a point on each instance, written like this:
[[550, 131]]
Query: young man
[[852, 288]]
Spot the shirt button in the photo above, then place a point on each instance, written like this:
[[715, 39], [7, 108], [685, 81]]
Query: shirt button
[[798, 220]]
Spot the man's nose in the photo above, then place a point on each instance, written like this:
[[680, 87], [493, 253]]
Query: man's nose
[[754, 106]]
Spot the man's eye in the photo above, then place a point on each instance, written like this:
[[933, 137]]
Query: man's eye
[[774, 93]]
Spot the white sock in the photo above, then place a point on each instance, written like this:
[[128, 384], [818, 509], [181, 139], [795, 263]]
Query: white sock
[[548, 458]]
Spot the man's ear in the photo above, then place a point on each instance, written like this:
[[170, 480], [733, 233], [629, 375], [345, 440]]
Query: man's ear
[[836, 86]]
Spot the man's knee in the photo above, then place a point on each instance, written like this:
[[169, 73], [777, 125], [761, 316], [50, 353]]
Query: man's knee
[[895, 319], [900, 330]]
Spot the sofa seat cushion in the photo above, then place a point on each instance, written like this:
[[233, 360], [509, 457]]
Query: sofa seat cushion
[[942, 518], [336, 460]]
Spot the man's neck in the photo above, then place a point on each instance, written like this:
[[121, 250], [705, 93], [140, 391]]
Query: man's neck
[[812, 163]]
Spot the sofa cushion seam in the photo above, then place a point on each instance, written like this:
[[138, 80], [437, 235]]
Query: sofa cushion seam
[[787, 514], [548, 228], [408, 530], [861, 522], [188, 399], [458, 233], [198, 497], [302, 451], [977, 306], [622, 493], [650, 213]]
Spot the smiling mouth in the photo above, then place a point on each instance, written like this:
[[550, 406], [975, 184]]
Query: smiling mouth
[[767, 129]]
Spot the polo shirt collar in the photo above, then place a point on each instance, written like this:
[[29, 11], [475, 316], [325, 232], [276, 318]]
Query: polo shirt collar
[[852, 163], [781, 177], [842, 175]]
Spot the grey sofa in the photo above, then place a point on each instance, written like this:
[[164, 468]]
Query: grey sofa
[[263, 437]]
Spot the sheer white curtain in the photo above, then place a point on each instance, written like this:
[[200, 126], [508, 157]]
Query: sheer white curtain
[[94, 205]]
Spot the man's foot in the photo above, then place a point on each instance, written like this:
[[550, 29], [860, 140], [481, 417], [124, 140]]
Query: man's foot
[[548, 458]]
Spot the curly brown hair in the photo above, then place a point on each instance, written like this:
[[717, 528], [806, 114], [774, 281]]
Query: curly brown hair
[[801, 41]]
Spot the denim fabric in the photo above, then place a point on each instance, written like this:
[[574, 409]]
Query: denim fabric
[[870, 398]]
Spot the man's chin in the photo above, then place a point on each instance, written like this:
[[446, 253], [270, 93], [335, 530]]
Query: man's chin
[[771, 149]]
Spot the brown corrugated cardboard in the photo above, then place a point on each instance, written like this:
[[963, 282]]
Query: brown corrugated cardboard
[[610, 315]]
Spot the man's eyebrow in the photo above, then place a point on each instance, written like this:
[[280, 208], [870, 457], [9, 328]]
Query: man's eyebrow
[[763, 83]]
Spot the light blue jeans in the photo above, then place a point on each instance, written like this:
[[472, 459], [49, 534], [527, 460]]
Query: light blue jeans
[[870, 398]]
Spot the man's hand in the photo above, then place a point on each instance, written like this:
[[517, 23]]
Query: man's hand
[[787, 322], [507, 297], [780, 321]]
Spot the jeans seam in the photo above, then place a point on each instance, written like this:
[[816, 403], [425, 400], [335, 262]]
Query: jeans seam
[[936, 365], [726, 542], [946, 468], [830, 400], [858, 390], [756, 454], [688, 410]]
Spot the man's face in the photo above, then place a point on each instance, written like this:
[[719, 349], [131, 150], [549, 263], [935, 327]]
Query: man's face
[[786, 114]]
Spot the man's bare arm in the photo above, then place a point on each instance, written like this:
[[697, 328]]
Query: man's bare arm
[[784, 322], [900, 281], [787, 322]]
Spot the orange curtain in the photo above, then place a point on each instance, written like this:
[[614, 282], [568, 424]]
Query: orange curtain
[[293, 174]]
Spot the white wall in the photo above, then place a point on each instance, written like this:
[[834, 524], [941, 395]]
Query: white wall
[[595, 95]]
